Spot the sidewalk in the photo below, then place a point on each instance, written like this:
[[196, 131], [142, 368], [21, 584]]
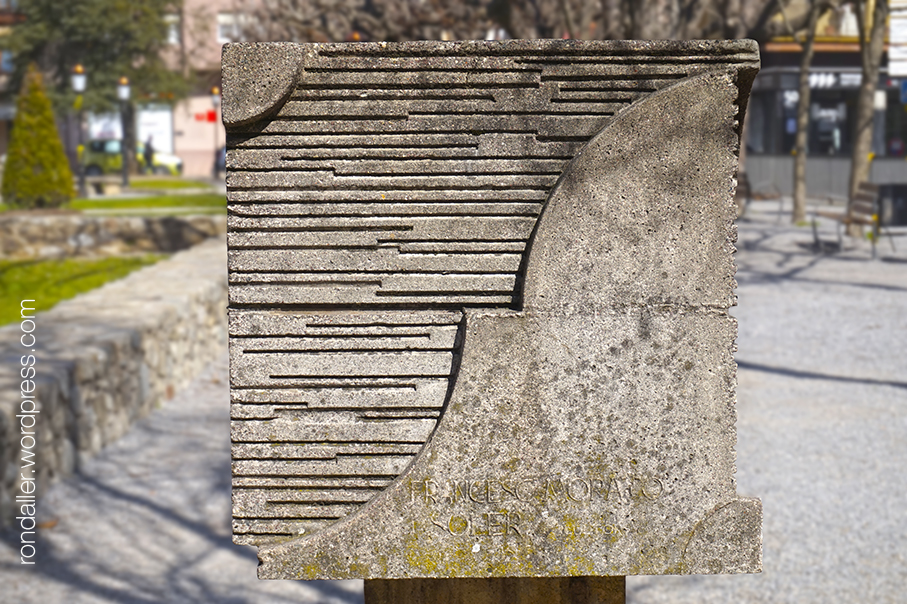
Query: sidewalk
[[822, 421], [822, 439], [148, 521]]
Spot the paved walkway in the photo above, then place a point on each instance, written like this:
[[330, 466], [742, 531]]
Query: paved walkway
[[822, 422], [822, 440], [148, 521]]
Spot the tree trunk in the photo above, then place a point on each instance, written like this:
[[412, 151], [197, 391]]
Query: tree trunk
[[800, 150], [872, 31]]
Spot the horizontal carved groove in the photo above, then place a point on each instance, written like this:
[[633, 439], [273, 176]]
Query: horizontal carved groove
[[356, 145], [340, 443], [601, 87], [334, 283], [403, 96], [390, 70], [469, 211], [453, 252], [541, 54], [584, 100], [338, 178], [319, 487], [387, 477], [419, 86], [639, 58], [327, 351], [539, 114], [427, 411], [439, 305], [442, 294], [521, 214], [476, 272], [293, 517], [414, 187], [563, 139], [340, 335], [414, 158], [330, 117], [326, 246], [327, 385], [330, 229], [417, 376]]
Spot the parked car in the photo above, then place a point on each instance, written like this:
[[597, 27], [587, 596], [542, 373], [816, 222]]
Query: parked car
[[104, 156]]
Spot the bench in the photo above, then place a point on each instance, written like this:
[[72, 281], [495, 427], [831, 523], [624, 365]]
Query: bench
[[863, 209], [744, 195]]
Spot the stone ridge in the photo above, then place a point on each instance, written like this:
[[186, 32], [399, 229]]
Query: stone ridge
[[396, 184], [106, 357]]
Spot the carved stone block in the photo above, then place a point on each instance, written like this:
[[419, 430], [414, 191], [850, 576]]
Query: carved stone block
[[479, 300]]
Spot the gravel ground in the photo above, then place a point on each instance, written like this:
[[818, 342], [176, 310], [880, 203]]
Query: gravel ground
[[822, 422], [822, 440]]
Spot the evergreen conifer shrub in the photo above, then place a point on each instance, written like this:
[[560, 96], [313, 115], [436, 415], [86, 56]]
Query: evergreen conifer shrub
[[37, 173]]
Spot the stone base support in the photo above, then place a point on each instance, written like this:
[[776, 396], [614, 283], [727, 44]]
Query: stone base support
[[510, 590]]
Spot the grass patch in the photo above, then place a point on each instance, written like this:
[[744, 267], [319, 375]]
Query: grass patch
[[167, 183], [206, 200], [50, 281]]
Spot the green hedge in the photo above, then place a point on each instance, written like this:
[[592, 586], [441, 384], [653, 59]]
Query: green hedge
[[37, 173]]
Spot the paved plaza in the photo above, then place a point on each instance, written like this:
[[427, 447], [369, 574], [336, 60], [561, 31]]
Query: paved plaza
[[822, 440]]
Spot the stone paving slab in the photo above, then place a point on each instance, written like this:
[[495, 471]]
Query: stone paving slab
[[822, 435]]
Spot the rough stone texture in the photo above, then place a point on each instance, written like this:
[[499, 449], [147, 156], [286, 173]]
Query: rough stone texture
[[106, 357], [479, 298], [60, 234]]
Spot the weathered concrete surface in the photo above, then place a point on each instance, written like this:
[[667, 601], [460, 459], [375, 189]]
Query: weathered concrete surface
[[589, 432]]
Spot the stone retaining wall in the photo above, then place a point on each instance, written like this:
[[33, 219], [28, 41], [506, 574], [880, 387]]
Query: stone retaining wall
[[105, 359], [60, 233]]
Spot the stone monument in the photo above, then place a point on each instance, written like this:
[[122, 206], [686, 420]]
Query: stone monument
[[479, 300]]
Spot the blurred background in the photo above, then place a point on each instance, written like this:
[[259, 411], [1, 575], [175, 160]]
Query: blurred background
[[169, 51]]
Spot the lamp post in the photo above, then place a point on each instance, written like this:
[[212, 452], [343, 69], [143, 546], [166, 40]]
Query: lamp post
[[123, 95], [215, 101], [79, 81]]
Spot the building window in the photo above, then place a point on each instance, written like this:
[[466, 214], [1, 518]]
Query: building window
[[172, 21], [228, 28]]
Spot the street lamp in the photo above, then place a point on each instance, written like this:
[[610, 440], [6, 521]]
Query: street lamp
[[215, 102], [79, 82], [123, 95]]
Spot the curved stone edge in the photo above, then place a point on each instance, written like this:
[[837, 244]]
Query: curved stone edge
[[711, 548], [258, 78], [339, 551]]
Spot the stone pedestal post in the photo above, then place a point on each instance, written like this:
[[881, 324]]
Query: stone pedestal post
[[511, 590]]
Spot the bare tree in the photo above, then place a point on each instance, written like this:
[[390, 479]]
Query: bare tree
[[397, 20], [367, 20], [800, 146], [871, 17]]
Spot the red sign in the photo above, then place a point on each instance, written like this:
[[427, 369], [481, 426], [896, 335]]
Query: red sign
[[206, 116]]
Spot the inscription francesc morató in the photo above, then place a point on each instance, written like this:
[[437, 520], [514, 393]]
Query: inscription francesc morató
[[511, 507]]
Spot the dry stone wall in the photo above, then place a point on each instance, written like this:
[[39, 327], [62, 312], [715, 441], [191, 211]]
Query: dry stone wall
[[106, 358], [61, 234]]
